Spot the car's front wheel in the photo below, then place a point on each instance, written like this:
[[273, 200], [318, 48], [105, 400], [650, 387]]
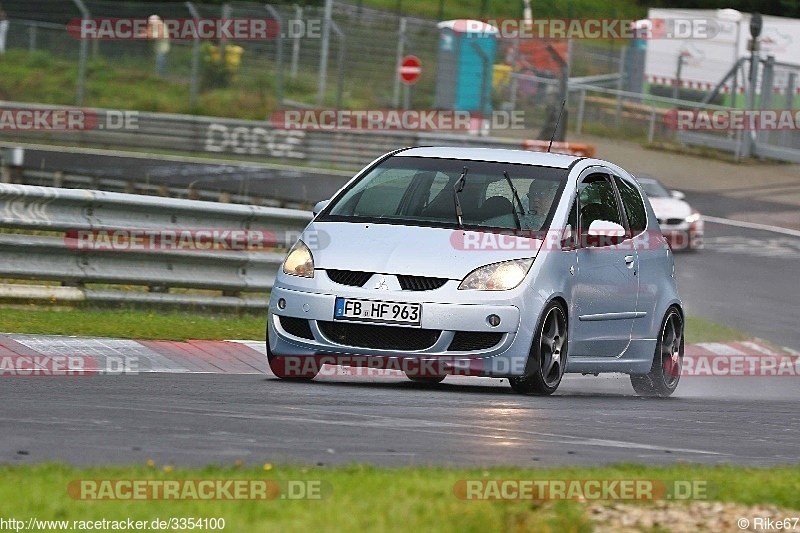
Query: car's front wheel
[[547, 359], [664, 375]]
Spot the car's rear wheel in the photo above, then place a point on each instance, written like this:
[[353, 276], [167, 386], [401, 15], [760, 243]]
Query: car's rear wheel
[[547, 359], [664, 375], [284, 367]]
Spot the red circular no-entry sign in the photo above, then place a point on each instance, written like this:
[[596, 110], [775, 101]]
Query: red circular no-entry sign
[[410, 70]]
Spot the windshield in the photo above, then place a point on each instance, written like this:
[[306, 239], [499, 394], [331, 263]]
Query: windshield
[[653, 189], [422, 191]]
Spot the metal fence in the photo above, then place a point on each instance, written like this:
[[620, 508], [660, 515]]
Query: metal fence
[[39, 240], [348, 59], [352, 65]]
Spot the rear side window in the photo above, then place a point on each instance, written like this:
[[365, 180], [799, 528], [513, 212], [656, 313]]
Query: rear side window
[[634, 206]]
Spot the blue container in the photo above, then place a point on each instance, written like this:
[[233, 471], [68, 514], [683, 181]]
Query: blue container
[[464, 66]]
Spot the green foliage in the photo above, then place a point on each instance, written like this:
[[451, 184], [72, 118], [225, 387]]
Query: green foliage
[[134, 324], [364, 498]]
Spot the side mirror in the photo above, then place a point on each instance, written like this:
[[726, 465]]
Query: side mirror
[[604, 233], [319, 206], [678, 195]]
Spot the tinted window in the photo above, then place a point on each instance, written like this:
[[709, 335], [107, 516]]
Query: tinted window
[[420, 191], [598, 201], [634, 207]]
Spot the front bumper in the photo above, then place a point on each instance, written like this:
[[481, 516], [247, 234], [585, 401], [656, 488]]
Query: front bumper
[[686, 235], [456, 334]]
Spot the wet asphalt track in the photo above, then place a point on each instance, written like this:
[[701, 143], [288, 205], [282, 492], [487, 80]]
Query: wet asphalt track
[[198, 419], [746, 278]]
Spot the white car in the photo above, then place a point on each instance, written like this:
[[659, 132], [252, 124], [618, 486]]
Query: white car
[[430, 262], [681, 224]]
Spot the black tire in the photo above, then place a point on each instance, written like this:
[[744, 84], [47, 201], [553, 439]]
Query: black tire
[[278, 366], [664, 375], [428, 380], [547, 358]]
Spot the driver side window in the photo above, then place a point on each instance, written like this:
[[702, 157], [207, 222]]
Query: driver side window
[[597, 202]]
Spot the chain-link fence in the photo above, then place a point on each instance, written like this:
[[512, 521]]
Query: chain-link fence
[[352, 63]]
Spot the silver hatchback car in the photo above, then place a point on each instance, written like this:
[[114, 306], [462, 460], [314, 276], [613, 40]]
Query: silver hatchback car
[[475, 261]]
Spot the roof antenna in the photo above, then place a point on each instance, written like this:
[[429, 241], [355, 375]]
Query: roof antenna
[[563, 103]]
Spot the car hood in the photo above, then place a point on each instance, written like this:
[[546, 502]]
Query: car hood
[[670, 208], [421, 251]]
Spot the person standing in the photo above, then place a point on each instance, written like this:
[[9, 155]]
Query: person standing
[[157, 30]]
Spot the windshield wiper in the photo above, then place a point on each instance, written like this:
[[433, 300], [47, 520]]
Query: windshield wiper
[[458, 186], [516, 197]]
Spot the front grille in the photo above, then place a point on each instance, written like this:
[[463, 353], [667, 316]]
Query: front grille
[[464, 341], [420, 283], [349, 277], [296, 326], [670, 221], [379, 337]]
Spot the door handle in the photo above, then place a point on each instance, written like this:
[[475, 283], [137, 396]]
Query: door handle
[[629, 261]]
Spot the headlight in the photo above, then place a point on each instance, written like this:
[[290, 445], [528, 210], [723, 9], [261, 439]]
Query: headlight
[[694, 217], [299, 262], [497, 276]]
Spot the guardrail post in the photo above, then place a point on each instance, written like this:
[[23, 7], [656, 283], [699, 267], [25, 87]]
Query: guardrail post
[[11, 160], [32, 38]]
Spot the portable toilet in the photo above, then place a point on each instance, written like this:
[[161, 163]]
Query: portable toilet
[[464, 66]]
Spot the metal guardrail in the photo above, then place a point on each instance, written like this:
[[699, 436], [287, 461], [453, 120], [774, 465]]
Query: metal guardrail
[[57, 178], [244, 139], [31, 219]]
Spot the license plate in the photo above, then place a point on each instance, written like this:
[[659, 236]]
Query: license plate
[[377, 311]]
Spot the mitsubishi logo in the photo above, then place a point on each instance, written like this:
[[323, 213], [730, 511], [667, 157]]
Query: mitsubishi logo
[[382, 284]]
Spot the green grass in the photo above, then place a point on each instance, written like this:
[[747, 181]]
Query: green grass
[[363, 498], [44, 78], [137, 324], [133, 324], [701, 330]]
